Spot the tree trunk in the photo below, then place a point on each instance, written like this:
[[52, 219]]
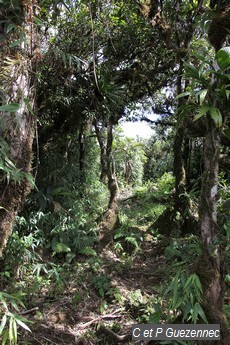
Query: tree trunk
[[102, 143], [111, 174], [210, 265], [107, 162], [179, 171], [110, 217], [12, 192], [180, 168], [17, 128], [81, 141]]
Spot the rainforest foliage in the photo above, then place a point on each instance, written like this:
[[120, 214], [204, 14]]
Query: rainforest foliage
[[99, 229]]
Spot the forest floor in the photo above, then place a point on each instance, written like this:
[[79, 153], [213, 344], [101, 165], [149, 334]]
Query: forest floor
[[98, 298], [120, 281]]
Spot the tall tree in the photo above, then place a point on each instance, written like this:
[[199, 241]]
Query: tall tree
[[176, 28], [19, 56], [211, 264]]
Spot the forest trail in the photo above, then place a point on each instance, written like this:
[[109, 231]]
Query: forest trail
[[105, 294], [72, 73]]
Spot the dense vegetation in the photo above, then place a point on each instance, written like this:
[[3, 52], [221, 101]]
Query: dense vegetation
[[99, 231]]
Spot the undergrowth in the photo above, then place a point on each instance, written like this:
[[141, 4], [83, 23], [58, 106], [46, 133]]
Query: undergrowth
[[52, 255]]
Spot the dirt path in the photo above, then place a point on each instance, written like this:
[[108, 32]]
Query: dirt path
[[103, 295]]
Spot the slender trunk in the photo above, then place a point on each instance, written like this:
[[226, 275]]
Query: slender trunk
[[210, 265], [112, 180], [179, 164], [127, 171], [107, 162], [81, 142], [180, 167], [110, 217], [187, 158], [179, 171], [103, 159]]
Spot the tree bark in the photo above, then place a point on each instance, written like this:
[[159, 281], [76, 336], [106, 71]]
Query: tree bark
[[102, 143], [110, 217], [17, 128], [179, 171], [13, 193], [210, 264], [111, 174]]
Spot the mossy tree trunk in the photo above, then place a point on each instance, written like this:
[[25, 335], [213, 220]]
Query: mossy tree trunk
[[210, 264], [17, 127]]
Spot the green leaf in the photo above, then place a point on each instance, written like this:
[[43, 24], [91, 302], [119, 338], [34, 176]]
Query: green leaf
[[88, 251], [202, 111], [5, 337], [184, 111], [3, 301], [14, 304], [186, 311], [118, 235], [61, 248], [201, 313], [38, 21], [15, 43], [63, 56], [3, 323], [15, 331], [216, 116], [183, 94], [10, 27], [22, 324], [11, 330], [223, 58], [175, 291], [202, 58], [101, 292], [200, 95], [195, 312], [12, 107], [192, 71], [197, 282], [29, 107], [132, 240], [69, 257], [70, 60], [188, 283], [12, 297]]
